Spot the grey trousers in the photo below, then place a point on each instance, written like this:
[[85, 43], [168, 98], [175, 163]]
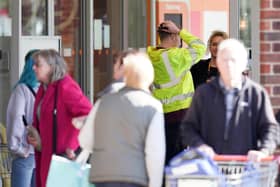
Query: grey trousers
[[116, 184]]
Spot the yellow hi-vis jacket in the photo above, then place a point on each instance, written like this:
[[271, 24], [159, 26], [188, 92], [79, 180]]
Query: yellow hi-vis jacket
[[173, 83]]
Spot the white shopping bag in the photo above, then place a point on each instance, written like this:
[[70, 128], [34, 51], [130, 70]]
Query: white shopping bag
[[65, 172]]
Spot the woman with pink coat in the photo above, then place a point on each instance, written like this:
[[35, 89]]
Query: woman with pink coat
[[57, 90]]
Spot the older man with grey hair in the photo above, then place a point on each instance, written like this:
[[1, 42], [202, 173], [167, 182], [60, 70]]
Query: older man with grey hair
[[231, 114]]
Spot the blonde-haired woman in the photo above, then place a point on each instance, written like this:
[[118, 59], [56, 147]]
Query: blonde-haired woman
[[206, 69]]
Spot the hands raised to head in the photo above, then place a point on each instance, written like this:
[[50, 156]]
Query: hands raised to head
[[169, 27]]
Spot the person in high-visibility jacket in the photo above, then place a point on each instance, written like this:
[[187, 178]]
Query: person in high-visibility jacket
[[173, 83]]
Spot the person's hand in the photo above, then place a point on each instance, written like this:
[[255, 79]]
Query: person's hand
[[78, 122], [25, 152], [25, 155], [34, 142], [31, 140], [207, 150], [170, 27], [70, 154], [33, 137], [256, 156]]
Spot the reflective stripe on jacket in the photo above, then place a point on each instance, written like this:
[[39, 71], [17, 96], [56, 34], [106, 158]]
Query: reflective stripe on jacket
[[173, 84]]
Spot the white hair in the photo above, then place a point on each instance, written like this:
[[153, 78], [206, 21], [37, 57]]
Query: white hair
[[138, 70], [235, 46]]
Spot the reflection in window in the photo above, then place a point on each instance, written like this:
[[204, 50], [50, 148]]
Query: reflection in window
[[244, 25], [34, 17], [5, 20], [103, 56], [137, 22], [67, 25]]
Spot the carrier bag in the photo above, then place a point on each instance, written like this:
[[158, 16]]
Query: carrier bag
[[192, 162], [65, 172]]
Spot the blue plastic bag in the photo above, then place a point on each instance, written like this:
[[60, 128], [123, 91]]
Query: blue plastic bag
[[64, 172], [191, 162]]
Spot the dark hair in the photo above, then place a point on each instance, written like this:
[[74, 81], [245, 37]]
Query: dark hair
[[163, 32], [121, 55], [163, 35]]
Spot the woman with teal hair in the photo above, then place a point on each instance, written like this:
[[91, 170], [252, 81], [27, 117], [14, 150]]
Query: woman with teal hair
[[19, 115], [28, 75]]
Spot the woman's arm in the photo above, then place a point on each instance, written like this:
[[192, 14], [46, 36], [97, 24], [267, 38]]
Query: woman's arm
[[16, 131]]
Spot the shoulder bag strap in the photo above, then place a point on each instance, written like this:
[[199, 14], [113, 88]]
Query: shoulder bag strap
[[55, 118], [24, 121], [31, 89], [34, 94]]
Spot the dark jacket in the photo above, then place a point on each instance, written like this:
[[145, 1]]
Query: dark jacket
[[252, 120], [201, 72]]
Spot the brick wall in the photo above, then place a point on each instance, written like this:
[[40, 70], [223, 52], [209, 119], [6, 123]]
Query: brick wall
[[270, 49]]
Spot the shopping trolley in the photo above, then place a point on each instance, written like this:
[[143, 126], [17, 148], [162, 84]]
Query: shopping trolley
[[5, 166], [234, 171]]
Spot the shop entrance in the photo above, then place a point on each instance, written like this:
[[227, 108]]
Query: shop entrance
[[92, 32]]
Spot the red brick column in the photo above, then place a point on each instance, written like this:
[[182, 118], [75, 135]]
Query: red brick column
[[270, 49]]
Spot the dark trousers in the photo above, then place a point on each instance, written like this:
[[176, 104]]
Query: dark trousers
[[173, 135], [116, 184]]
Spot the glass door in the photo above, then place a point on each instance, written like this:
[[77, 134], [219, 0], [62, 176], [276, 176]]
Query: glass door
[[108, 36], [67, 25], [34, 18], [243, 28], [93, 32], [74, 24], [118, 25], [5, 31]]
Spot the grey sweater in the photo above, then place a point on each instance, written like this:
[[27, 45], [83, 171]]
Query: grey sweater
[[122, 127]]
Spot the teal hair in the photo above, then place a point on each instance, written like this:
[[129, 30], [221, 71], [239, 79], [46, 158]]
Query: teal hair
[[28, 75]]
